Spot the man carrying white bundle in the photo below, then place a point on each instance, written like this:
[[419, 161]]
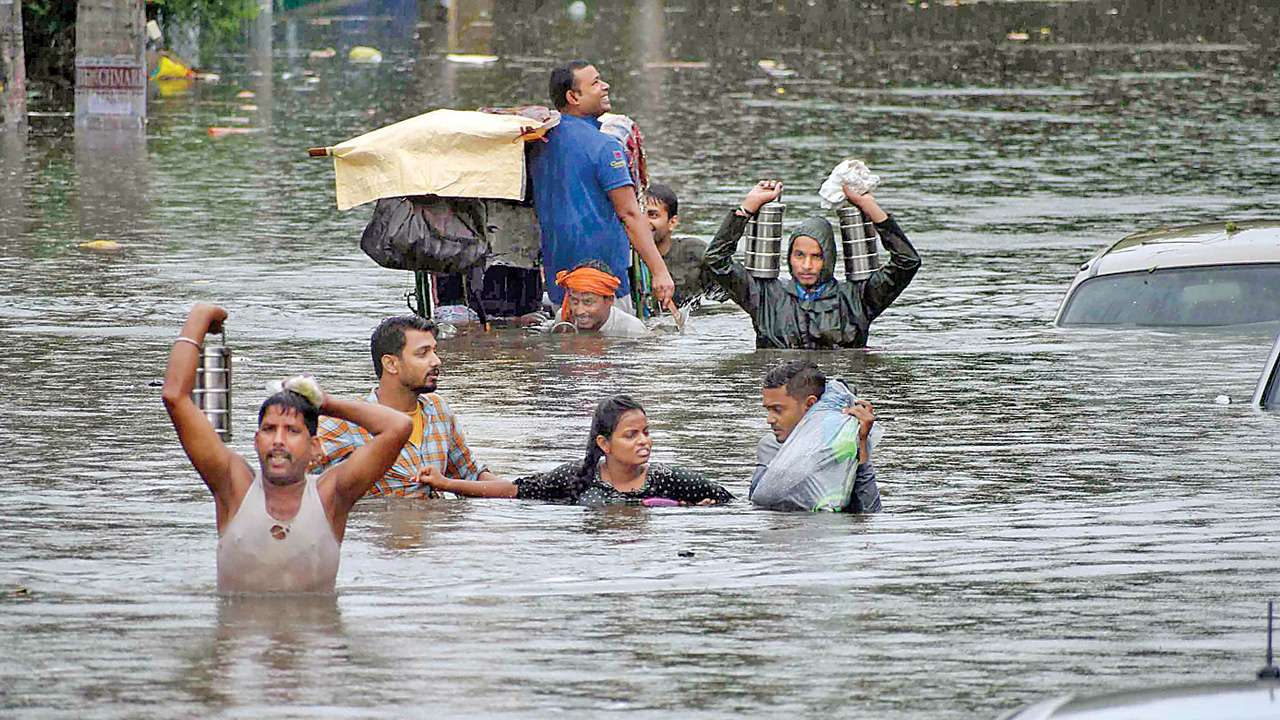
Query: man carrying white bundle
[[279, 530], [813, 459]]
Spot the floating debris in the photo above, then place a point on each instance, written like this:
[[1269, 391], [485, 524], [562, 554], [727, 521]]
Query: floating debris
[[101, 246], [678, 65], [363, 54], [171, 68], [1018, 36], [245, 94], [323, 54], [1223, 400], [471, 59], [774, 68], [215, 132]]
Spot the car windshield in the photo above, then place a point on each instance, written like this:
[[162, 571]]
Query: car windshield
[[1194, 296]]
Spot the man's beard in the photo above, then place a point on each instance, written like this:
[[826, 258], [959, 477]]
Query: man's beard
[[428, 385], [287, 478]]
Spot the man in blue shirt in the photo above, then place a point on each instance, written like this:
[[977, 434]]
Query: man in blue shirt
[[583, 193]]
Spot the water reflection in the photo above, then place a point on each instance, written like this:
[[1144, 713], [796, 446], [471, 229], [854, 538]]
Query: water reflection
[[13, 156], [620, 523], [114, 179], [398, 524], [266, 650]]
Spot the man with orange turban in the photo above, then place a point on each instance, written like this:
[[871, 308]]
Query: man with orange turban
[[588, 301]]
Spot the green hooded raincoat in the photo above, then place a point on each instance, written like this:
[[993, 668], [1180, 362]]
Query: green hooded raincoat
[[840, 316]]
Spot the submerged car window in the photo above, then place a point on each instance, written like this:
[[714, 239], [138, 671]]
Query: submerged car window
[[1269, 383], [1272, 394], [1216, 295]]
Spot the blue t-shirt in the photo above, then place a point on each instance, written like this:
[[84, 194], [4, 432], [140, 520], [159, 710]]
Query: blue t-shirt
[[572, 174]]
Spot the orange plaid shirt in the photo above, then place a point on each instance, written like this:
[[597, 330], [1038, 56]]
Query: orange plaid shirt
[[442, 446]]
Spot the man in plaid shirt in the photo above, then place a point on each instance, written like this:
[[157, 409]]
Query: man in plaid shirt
[[405, 361]]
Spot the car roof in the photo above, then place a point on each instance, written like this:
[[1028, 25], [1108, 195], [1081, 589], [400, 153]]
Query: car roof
[[1238, 243], [1240, 701]]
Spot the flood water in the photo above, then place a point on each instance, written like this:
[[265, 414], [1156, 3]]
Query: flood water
[[1064, 511]]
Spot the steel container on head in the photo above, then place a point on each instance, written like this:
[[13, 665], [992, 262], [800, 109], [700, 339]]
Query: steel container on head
[[212, 393], [763, 256], [859, 244]]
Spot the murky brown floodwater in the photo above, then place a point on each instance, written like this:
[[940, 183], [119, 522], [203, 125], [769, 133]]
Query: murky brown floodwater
[[1065, 511]]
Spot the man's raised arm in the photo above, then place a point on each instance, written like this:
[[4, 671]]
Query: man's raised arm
[[641, 236], [390, 430], [718, 260], [210, 457], [886, 284]]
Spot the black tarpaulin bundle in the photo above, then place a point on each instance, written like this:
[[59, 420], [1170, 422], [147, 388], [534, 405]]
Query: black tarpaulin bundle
[[427, 233]]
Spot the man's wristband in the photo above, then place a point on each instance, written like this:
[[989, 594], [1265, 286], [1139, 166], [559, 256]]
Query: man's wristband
[[746, 213], [185, 339]]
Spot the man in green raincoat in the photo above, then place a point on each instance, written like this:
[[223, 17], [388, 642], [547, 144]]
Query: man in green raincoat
[[812, 309]]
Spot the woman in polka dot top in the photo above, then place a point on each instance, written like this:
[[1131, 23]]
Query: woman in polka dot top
[[616, 469]]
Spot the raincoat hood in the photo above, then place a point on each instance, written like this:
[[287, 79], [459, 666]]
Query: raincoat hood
[[838, 314], [819, 229]]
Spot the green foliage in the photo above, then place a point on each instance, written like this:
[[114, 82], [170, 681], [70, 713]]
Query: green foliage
[[49, 40], [221, 20], [49, 30]]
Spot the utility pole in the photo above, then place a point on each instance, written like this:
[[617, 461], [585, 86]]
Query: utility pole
[[13, 66], [111, 71]]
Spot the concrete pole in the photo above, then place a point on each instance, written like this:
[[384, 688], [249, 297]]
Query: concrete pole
[[13, 66], [111, 69]]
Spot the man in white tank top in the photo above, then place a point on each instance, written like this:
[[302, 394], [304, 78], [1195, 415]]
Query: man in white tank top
[[279, 529]]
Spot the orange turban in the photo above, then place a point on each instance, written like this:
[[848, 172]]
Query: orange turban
[[588, 280]]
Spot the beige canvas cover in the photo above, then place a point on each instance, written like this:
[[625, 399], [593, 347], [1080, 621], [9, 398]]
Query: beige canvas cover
[[452, 153]]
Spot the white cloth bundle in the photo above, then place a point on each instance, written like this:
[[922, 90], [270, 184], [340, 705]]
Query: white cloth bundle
[[305, 385], [852, 174]]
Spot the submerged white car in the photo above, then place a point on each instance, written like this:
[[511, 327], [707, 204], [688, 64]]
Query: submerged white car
[[1258, 700], [1190, 276], [1267, 394], [1249, 700]]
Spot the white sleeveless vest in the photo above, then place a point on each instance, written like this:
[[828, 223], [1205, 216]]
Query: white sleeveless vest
[[260, 554]]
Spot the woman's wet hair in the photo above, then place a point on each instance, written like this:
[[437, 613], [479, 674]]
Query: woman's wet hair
[[801, 378], [605, 420], [290, 400]]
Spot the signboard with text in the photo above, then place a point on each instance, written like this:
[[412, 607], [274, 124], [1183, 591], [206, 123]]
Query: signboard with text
[[115, 87]]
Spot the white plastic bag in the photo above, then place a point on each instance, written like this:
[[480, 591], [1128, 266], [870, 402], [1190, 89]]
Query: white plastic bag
[[852, 174], [816, 468]]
